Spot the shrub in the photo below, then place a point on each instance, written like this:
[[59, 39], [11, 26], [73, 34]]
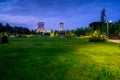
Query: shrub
[[97, 39], [4, 39]]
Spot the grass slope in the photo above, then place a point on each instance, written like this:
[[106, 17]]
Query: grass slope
[[59, 59]]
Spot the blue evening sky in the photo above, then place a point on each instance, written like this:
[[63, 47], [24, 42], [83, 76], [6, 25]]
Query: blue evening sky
[[73, 13]]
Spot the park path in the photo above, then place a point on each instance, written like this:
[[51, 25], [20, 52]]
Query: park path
[[114, 41]]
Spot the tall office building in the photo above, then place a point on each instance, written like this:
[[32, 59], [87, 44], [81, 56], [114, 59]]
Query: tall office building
[[61, 28]]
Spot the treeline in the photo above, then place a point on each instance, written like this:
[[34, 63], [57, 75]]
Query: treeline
[[20, 31], [99, 27], [77, 32], [112, 28], [16, 30]]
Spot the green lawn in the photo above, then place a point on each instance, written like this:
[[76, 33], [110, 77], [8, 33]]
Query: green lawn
[[59, 59]]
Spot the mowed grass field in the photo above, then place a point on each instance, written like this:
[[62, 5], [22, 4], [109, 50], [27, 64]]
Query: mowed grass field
[[59, 59]]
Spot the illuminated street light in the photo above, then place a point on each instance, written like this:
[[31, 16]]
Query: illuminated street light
[[110, 21]]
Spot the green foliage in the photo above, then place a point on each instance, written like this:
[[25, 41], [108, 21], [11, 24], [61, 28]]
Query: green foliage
[[81, 31], [70, 34], [114, 28], [4, 38], [99, 26], [14, 30], [97, 37]]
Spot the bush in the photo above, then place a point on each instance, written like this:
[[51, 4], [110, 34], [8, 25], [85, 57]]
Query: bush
[[4, 39], [97, 39]]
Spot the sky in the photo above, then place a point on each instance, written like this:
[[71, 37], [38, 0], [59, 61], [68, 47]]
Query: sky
[[73, 13]]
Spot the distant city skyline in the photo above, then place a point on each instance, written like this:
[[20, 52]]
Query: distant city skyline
[[73, 13]]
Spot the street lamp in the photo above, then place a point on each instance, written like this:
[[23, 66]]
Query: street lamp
[[110, 21]]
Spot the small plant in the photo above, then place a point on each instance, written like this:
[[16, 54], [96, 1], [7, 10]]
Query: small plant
[[97, 37], [4, 39]]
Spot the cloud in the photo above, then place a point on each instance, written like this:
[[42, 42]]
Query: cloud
[[18, 18], [8, 5], [73, 13]]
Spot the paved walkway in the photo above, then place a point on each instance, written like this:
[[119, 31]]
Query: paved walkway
[[114, 41]]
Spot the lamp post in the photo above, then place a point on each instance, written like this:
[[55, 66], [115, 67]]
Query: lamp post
[[110, 21]]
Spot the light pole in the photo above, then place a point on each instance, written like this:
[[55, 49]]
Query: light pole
[[110, 21]]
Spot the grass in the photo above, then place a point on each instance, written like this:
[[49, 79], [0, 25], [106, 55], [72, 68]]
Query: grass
[[59, 59]]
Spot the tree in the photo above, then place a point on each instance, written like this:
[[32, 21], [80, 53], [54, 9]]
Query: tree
[[103, 15], [56, 33], [80, 31], [70, 34], [8, 28], [1, 26], [114, 28], [26, 31], [33, 32], [101, 25], [4, 39]]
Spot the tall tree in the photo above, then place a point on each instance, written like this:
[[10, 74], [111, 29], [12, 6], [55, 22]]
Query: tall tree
[[8, 28], [1, 26], [103, 22], [103, 15]]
